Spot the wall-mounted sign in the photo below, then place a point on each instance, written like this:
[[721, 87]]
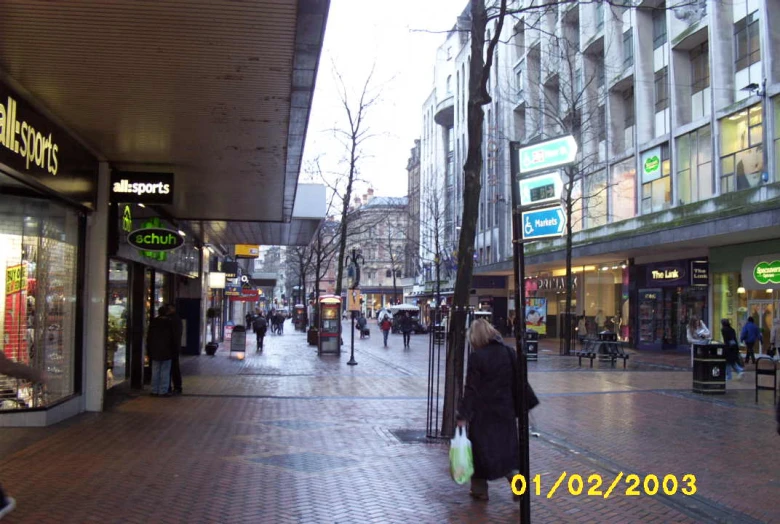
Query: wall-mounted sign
[[555, 283], [230, 269], [34, 146], [543, 223], [247, 251], [700, 273], [668, 274], [146, 188], [540, 189], [155, 239], [651, 164], [762, 272]]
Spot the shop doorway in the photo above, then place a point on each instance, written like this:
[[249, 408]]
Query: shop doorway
[[763, 313]]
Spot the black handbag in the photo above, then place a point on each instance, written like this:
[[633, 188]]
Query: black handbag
[[533, 400]]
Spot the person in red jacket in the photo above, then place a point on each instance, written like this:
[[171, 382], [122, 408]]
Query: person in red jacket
[[385, 326]]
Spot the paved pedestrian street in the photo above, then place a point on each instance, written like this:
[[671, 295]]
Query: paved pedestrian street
[[290, 436]]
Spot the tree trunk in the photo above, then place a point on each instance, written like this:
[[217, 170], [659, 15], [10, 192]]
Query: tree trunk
[[453, 385], [569, 280]]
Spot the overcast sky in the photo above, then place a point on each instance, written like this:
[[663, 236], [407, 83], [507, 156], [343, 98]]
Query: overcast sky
[[359, 34]]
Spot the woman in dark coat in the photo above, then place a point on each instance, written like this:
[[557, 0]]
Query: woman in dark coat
[[488, 405], [732, 348]]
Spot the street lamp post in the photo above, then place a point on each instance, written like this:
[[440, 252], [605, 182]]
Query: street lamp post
[[355, 259]]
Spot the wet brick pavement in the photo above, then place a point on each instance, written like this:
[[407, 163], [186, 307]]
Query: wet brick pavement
[[287, 436]]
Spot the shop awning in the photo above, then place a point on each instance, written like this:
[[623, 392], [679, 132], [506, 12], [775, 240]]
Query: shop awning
[[217, 92]]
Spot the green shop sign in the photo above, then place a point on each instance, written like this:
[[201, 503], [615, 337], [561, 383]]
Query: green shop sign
[[652, 164], [767, 272], [155, 239]]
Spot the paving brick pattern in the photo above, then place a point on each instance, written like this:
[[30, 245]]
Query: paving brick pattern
[[287, 436]]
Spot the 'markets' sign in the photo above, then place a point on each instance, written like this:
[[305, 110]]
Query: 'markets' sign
[[146, 188]]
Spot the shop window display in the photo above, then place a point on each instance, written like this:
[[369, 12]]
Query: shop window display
[[735, 303], [117, 318], [39, 256]]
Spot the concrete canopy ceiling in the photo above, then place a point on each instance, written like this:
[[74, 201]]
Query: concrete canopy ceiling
[[216, 91]]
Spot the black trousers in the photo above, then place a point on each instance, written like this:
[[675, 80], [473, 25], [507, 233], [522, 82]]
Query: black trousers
[[750, 354], [260, 337], [407, 338], [176, 373]]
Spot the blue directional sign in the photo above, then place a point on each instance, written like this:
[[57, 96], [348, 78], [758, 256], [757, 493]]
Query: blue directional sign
[[543, 223]]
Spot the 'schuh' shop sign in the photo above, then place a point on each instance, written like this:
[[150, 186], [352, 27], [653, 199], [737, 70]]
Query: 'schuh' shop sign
[[762, 272], [155, 239], [33, 146]]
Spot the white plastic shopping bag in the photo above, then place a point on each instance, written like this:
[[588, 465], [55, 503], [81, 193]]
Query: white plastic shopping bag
[[461, 460]]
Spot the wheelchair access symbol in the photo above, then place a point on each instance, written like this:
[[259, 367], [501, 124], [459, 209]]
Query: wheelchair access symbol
[[543, 223]]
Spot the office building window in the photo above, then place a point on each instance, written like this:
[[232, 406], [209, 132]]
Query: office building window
[[622, 191], [700, 68], [599, 15], [661, 89], [628, 48], [601, 123], [656, 179], [741, 158], [747, 43], [596, 199], [777, 138], [628, 107], [694, 167], [659, 26]]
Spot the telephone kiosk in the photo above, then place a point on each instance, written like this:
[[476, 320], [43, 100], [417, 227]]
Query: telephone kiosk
[[330, 325]]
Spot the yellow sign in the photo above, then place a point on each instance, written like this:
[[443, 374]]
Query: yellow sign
[[36, 148], [247, 251], [16, 279], [353, 299]]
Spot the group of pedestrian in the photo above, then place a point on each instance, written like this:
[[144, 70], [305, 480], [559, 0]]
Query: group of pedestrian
[[405, 326], [163, 344]]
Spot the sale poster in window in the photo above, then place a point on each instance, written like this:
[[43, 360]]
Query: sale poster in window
[[536, 314], [15, 326]]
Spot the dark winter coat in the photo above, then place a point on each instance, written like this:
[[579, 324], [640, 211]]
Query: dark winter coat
[[488, 405], [177, 332], [732, 346], [406, 324], [161, 339], [260, 326]]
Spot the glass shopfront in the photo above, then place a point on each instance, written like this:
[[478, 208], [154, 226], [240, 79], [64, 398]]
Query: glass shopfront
[[669, 295], [39, 255], [117, 347], [600, 292], [746, 283]]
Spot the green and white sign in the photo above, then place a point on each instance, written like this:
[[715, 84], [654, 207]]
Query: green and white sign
[[543, 188], [651, 164], [762, 272], [547, 155]]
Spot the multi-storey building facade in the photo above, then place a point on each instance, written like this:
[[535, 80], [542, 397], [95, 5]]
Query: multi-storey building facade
[[675, 191], [411, 255], [378, 227]]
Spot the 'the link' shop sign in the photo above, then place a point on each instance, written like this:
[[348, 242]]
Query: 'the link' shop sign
[[155, 239], [145, 188], [35, 147]]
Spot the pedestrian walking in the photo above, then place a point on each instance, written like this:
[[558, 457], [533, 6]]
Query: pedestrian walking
[[489, 406], [385, 326], [280, 323], [160, 343], [260, 326], [406, 329], [732, 349], [582, 329], [361, 324], [176, 385], [17, 370], [750, 335], [774, 339]]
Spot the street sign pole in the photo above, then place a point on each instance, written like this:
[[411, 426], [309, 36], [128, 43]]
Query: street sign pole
[[522, 362]]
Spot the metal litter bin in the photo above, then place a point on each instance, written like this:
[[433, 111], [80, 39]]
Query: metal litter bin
[[709, 369], [238, 340], [531, 345]]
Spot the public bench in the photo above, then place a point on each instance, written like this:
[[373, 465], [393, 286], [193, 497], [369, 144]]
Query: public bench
[[607, 350]]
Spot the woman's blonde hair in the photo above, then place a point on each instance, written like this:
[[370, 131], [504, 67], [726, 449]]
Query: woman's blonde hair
[[481, 333]]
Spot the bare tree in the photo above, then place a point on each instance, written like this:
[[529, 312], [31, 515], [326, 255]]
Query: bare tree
[[300, 260], [353, 138], [480, 63], [433, 235]]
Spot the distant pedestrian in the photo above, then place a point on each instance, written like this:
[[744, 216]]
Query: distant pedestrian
[[17, 370], [361, 324], [406, 328], [160, 343], [732, 349], [774, 339], [582, 329], [176, 384], [600, 320], [260, 325], [280, 323], [750, 335], [385, 326], [490, 406], [249, 320]]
